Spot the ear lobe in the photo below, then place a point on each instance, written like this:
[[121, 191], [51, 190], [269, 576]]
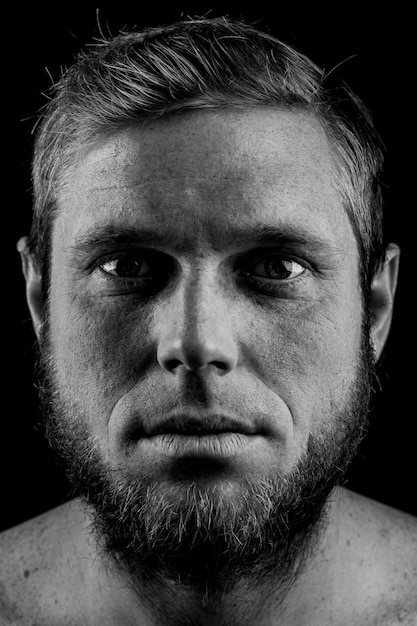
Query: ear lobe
[[33, 285], [383, 289]]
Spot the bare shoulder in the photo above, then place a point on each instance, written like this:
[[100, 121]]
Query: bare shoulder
[[383, 546], [33, 562], [389, 534]]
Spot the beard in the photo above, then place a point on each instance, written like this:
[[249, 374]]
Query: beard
[[203, 538]]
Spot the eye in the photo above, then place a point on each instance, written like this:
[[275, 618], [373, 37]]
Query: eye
[[126, 266], [278, 268]]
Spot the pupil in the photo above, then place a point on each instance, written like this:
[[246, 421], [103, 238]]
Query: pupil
[[127, 266], [284, 268]]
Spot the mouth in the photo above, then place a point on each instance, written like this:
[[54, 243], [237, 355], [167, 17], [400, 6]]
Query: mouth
[[209, 436], [223, 444], [199, 426]]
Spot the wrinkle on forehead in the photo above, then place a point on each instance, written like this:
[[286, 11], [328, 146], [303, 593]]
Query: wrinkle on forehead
[[232, 144], [229, 166]]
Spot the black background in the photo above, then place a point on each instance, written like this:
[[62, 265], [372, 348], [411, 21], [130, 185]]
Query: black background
[[379, 64]]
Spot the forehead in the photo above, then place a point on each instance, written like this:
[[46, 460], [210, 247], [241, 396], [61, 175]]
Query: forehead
[[204, 172]]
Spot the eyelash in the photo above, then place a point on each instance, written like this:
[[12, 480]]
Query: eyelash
[[273, 287], [261, 285]]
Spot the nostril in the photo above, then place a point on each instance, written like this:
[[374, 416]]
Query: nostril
[[221, 366], [195, 356], [172, 364]]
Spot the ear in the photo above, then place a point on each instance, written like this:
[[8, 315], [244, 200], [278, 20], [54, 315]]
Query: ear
[[382, 298], [33, 284]]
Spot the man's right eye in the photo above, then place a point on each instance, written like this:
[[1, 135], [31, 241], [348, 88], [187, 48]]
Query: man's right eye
[[124, 266]]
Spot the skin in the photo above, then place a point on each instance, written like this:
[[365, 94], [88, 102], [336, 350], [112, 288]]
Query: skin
[[278, 359], [121, 350]]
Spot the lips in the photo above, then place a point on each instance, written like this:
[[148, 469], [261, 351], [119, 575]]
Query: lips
[[199, 435], [217, 445], [199, 425]]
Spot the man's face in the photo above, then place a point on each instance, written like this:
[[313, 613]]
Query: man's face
[[164, 304], [141, 330]]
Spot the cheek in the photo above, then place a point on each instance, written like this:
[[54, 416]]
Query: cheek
[[310, 361], [99, 353]]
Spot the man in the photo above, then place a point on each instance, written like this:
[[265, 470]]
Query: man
[[211, 288]]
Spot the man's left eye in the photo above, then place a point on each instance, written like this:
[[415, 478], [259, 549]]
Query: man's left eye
[[124, 267], [278, 268]]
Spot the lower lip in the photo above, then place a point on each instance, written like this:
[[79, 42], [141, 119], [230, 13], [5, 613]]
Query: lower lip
[[215, 445]]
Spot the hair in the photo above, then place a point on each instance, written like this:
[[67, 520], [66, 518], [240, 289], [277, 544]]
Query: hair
[[203, 64]]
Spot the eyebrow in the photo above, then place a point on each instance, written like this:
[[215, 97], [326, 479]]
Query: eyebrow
[[111, 236]]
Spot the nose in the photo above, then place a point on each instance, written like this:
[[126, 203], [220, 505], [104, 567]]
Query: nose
[[196, 331]]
